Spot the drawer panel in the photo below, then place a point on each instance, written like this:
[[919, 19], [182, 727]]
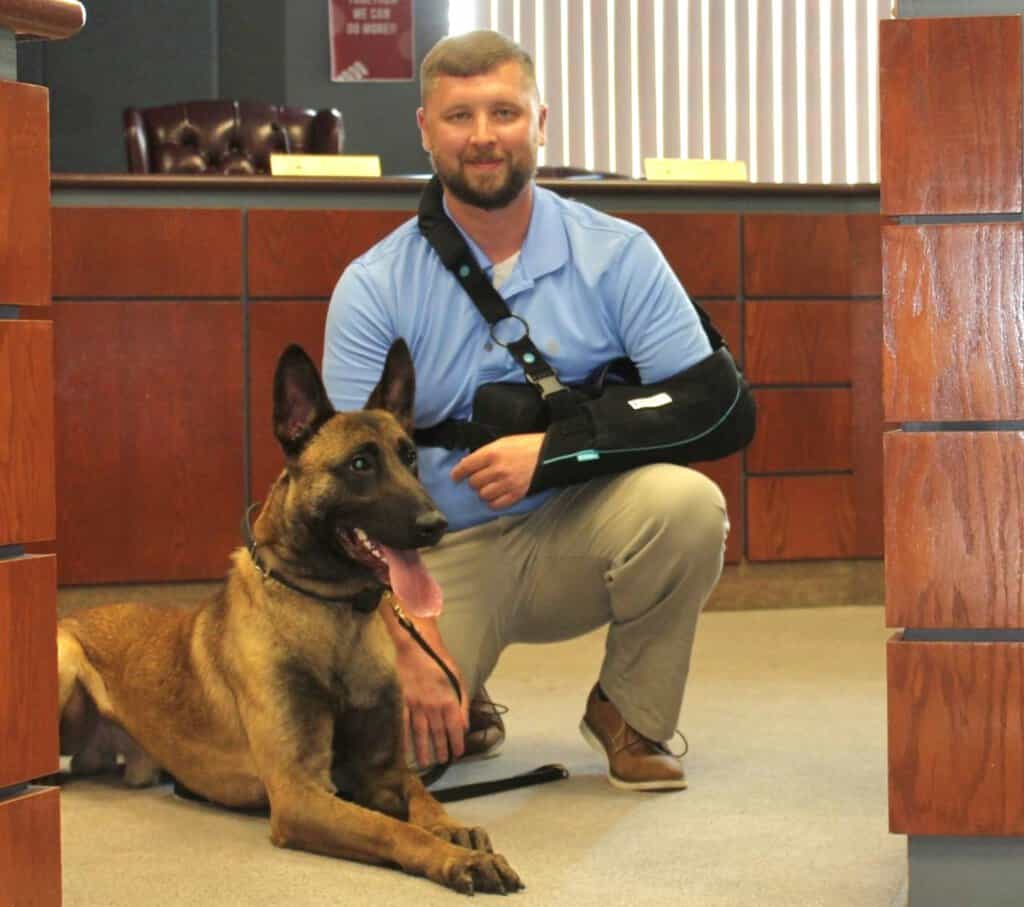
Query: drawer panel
[[28, 669], [954, 541], [956, 737], [30, 849], [28, 509], [953, 344]]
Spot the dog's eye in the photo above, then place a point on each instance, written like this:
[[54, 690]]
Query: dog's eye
[[360, 463], [409, 455]]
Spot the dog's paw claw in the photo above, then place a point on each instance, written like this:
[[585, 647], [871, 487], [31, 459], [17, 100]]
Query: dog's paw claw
[[487, 872]]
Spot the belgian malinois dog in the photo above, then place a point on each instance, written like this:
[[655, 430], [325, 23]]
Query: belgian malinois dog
[[284, 682]]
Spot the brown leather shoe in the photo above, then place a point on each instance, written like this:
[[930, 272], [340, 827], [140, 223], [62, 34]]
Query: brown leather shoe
[[486, 731], [634, 762]]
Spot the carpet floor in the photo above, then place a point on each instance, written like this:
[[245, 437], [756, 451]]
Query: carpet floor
[[785, 718]]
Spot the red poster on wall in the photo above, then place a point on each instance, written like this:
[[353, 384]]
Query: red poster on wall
[[371, 40]]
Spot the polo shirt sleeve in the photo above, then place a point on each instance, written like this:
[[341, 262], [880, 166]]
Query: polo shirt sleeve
[[357, 337], [659, 327]]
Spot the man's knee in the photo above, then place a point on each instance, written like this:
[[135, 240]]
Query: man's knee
[[683, 511]]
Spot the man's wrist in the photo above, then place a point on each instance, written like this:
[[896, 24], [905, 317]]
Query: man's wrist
[[394, 617]]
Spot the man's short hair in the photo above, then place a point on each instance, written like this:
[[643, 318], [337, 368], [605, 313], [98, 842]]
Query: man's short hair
[[473, 54]]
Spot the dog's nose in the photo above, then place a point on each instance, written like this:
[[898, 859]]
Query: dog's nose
[[430, 526]]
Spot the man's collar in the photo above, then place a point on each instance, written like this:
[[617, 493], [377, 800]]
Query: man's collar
[[545, 248]]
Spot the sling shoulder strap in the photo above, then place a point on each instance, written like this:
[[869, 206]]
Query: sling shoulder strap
[[458, 258]]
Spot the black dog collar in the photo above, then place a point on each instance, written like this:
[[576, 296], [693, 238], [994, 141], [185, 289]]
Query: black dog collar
[[364, 602]]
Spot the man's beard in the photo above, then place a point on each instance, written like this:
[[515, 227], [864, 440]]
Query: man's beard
[[520, 172]]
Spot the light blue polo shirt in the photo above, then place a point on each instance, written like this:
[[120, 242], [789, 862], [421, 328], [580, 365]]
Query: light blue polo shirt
[[591, 287]]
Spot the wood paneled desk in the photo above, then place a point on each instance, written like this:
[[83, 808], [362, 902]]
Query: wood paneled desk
[[174, 296], [30, 870]]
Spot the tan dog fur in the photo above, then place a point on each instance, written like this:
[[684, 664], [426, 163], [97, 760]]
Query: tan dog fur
[[266, 696]]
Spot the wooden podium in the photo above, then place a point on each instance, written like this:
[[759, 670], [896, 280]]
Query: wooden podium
[[953, 386], [30, 869]]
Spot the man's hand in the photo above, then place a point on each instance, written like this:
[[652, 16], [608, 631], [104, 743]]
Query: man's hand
[[501, 472], [433, 715]]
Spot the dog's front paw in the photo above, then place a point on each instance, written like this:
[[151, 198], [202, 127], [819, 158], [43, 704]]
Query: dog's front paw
[[474, 870], [470, 838]]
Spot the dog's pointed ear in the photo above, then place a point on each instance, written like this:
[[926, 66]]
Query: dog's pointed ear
[[301, 404], [396, 391]]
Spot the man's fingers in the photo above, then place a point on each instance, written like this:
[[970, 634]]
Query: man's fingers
[[457, 726], [470, 464], [421, 738]]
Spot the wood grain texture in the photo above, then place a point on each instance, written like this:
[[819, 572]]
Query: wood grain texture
[[302, 253], [24, 194], [150, 439], [950, 108], [728, 475], [703, 249], [954, 541], [956, 738], [140, 252], [812, 255], [798, 342], [272, 326], [727, 318], [954, 322], [27, 476], [802, 430], [866, 426], [30, 874], [797, 517], [28, 669]]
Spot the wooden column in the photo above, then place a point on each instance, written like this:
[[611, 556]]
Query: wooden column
[[29, 813], [953, 393]]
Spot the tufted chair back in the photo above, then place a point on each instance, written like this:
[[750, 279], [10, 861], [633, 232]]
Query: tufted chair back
[[225, 137]]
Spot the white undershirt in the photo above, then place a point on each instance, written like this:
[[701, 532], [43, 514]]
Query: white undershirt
[[501, 271]]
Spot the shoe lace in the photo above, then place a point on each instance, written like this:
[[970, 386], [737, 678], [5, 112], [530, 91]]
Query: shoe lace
[[640, 740], [484, 704]]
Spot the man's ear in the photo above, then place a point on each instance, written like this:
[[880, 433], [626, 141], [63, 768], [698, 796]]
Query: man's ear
[[301, 404], [542, 125], [421, 121], [396, 391]]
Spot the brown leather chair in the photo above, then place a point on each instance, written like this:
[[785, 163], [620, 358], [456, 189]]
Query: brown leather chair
[[225, 137]]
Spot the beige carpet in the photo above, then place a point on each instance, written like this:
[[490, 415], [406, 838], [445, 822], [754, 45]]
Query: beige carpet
[[785, 717]]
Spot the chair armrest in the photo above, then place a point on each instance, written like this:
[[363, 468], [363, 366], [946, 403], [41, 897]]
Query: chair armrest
[[135, 144]]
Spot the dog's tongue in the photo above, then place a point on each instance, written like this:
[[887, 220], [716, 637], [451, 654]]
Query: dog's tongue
[[416, 589]]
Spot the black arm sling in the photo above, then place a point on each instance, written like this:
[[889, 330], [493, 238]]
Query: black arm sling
[[609, 423]]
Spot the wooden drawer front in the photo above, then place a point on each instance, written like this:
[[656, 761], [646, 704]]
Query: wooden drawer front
[[28, 669], [798, 342], [866, 425], [954, 322], [30, 849], [24, 198], [133, 252], [703, 249], [150, 439], [272, 326], [812, 255], [27, 503], [302, 253], [728, 475], [951, 115], [795, 517], [805, 430], [956, 738], [954, 545], [725, 315]]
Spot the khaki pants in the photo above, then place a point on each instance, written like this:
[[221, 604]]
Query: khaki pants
[[640, 552]]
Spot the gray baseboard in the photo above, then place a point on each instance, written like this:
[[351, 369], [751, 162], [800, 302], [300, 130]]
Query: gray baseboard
[[965, 872], [8, 56]]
